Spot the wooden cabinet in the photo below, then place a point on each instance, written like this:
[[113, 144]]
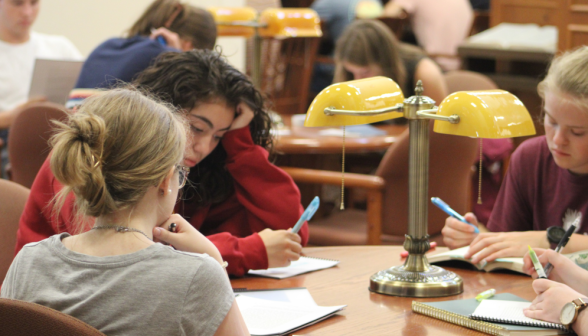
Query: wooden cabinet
[[569, 16]]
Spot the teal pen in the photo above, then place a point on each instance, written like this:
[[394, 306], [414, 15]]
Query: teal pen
[[307, 214], [447, 209]]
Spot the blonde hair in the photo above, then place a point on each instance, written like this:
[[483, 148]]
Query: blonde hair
[[190, 23], [367, 42], [113, 149], [568, 73]]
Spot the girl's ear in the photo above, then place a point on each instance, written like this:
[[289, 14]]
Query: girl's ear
[[165, 185]]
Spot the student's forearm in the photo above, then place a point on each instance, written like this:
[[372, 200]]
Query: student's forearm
[[5, 119], [578, 242]]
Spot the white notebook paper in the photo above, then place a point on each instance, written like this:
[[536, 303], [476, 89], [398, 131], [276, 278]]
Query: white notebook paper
[[509, 312], [268, 317], [300, 266]]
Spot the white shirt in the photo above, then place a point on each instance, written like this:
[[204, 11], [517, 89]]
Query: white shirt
[[440, 26], [17, 62]]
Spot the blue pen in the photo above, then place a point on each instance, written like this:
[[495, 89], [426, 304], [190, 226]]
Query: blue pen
[[443, 206], [159, 38], [307, 214]]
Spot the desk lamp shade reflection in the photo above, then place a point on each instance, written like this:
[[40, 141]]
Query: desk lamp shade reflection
[[479, 114]]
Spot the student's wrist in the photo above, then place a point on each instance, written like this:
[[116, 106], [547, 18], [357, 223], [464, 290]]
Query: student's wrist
[[580, 326]]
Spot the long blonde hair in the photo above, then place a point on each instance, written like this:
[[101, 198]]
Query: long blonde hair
[[113, 149], [568, 73], [190, 23], [367, 42]]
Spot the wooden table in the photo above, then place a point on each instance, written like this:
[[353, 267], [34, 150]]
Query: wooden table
[[368, 313], [307, 140]]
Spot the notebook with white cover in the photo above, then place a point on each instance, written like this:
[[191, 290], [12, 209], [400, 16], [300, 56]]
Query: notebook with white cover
[[268, 317], [300, 266], [509, 312]]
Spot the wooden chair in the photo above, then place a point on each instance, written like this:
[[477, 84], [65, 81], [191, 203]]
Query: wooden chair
[[28, 140], [12, 202], [19, 318], [386, 218], [396, 24], [287, 70]]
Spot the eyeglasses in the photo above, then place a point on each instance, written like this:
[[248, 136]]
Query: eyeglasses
[[183, 172]]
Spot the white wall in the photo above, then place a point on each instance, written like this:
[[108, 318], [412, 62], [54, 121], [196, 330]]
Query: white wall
[[87, 23]]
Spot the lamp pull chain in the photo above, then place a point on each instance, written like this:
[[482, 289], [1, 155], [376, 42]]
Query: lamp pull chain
[[480, 176], [342, 207]]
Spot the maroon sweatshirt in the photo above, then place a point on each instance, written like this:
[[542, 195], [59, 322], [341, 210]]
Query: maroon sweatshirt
[[536, 192]]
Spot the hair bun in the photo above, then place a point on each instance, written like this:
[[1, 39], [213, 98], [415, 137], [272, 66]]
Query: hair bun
[[89, 128]]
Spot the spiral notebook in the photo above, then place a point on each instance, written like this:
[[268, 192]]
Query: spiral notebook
[[458, 312], [509, 312], [300, 266]]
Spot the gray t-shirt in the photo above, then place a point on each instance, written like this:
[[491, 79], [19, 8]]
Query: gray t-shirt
[[154, 291]]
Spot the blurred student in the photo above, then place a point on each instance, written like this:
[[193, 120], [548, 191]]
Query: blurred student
[[440, 26], [166, 25], [115, 277], [547, 176], [367, 48], [567, 284], [236, 196], [335, 16], [19, 47]]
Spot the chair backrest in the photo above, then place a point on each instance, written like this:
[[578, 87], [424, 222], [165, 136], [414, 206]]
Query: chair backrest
[[12, 202], [19, 318], [28, 140], [287, 71], [450, 161], [463, 80]]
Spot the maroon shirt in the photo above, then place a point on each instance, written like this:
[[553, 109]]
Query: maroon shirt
[[536, 192]]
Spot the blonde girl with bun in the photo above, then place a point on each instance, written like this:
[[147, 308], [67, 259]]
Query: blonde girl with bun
[[120, 155]]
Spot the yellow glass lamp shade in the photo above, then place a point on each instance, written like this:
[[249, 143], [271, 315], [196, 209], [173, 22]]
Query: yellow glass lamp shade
[[289, 22], [485, 114], [234, 16], [358, 95]]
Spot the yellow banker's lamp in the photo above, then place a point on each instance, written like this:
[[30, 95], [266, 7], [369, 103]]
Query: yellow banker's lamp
[[480, 114], [278, 23]]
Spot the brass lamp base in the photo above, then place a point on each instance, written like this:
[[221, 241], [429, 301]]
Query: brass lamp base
[[416, 278], [432, 283]]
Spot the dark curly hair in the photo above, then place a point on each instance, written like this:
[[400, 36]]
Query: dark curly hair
[[191, 78]]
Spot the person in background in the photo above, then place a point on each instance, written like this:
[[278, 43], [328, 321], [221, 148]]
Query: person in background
[[567, 283], [243, 203], [439, 26], [547, 176], [114, 275], [335, 16], [367, 48], [166, 25], [19, 47]]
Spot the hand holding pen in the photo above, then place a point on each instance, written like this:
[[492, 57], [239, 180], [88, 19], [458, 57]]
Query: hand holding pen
[[459, 230]]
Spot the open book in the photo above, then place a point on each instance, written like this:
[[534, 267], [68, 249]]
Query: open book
[[300, 266], [282, 311], [458, 312], [513, 264]]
